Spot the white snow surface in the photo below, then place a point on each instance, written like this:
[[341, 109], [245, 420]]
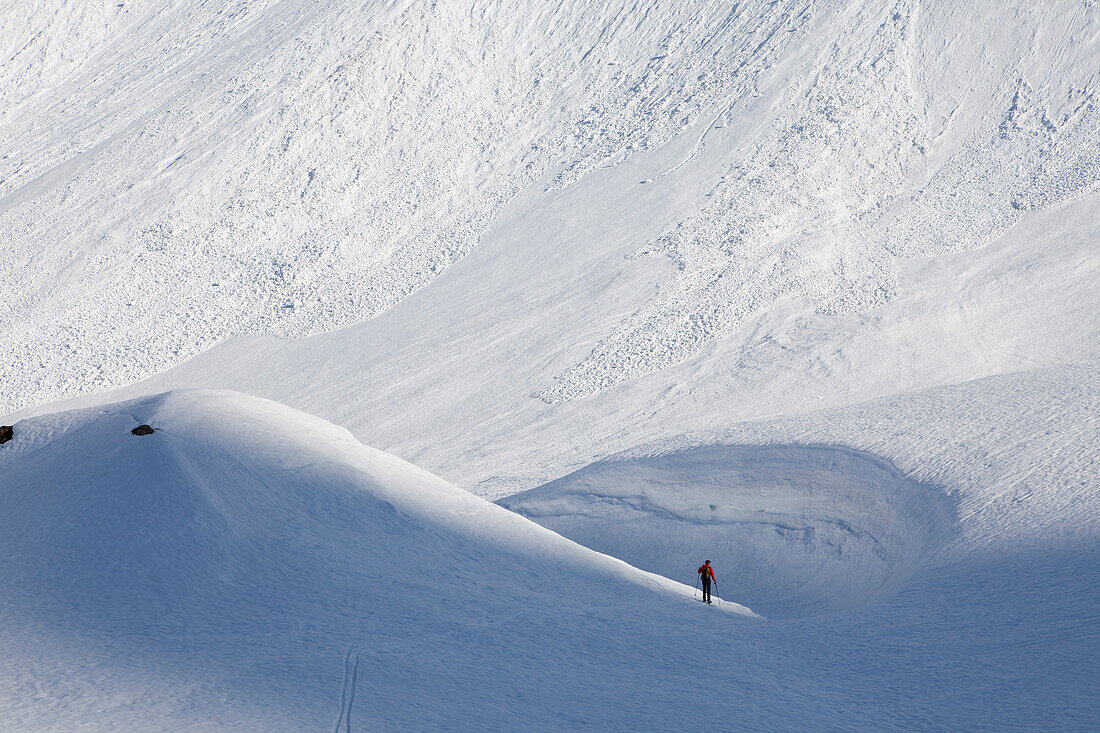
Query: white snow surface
[[808, 288], [249, 567], [798, 530], [176, 174], [219, 573]]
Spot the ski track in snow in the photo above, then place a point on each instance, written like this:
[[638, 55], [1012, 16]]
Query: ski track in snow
[[347, 692]]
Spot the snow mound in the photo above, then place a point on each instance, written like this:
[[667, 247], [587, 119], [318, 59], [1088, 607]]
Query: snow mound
[[243, 552], [794, 530]]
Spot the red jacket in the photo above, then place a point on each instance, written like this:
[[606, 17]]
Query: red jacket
[[704, 570]]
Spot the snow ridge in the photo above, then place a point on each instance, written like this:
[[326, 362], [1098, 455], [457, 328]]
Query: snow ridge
[[242, 551]]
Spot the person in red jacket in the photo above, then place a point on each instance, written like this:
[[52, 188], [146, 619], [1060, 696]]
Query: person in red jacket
[[706, 574]]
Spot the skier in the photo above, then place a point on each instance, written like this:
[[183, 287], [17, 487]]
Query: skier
[[706, 574]]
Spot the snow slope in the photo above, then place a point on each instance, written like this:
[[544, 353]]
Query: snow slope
[[323, 159], [217, 573], [833, 265], [798, 530], [177, 174], [248, 566]]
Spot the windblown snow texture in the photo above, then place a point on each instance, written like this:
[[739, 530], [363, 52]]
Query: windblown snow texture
[[199, 172]]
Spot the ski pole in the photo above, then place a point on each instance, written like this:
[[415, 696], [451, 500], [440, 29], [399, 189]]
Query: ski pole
[[696, 587], [716, 593]]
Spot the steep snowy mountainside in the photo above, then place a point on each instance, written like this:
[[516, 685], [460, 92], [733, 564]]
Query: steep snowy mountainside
[[292, 167], [45, 42], [454, 371], [856, 168], [179, 174]]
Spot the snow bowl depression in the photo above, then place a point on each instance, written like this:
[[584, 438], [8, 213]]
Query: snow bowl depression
[[792, 530]]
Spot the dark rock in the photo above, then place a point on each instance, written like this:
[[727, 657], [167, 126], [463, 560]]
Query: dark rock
[[6, 433], [142, 430]]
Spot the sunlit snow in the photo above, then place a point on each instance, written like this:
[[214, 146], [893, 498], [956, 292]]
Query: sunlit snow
[[808, 288]]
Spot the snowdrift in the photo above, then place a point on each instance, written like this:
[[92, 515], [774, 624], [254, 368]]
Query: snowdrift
[[796, 529], [221, 571]]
